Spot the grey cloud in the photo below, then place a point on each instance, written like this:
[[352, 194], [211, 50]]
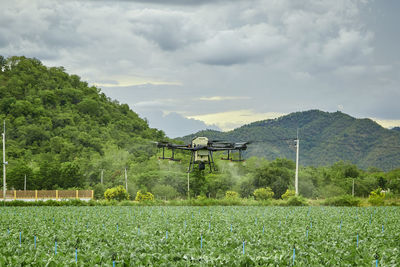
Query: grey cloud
[[246, 44], [170, 30], [285, 55], [174, 124], [3, 40], [38, 29], [174, 2]]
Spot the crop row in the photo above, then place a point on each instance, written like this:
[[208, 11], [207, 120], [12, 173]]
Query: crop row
[[182, 236]]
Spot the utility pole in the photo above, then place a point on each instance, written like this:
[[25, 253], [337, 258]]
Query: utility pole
[[4, 162], [188, 186], [25, 183], [296, 179], [352, 190], [101, 177], [126, 180]]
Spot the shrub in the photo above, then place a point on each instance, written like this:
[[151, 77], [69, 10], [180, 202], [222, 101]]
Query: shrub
[[127, 203], [76, 202], [288, 193], [117, 193], [377, 197], [263, 193], [99, 190], [16, 203], [344, 200], [201, 197], [144, 196], [296, 201], [231, 195]]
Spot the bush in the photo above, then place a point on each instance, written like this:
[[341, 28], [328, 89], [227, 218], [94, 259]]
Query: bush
[[50, 202], [288, 193], [77, 202], [144, 196], [201, 197], [344, 200], [117, 193], [231, 195], [296, 201], [99, 190], [16, 203], [263, 193], [377, 197]]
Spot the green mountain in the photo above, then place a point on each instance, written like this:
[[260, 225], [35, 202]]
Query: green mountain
[[325, 138], [60, 131]]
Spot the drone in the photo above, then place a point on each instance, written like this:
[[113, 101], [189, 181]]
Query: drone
[[202, 151]]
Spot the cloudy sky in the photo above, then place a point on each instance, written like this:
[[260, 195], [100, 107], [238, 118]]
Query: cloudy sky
[[190, 65]]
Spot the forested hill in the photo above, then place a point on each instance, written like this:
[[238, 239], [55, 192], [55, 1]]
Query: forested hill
[[325, 138], [60, 131]]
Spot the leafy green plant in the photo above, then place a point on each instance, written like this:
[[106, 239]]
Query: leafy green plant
[[144, 196], [296, 201], [288, 193], [377, 197], [116, 193], [231, 195], [201, 197], [99, 190], [197, 236], [344, 200], [263, 193]]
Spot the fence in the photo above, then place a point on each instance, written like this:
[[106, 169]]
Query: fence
[[48, 194]]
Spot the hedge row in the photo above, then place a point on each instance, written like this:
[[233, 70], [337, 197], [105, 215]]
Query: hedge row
[[292, 201], [345, 200]]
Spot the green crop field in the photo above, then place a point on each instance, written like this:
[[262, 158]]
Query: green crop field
[[192, 236]]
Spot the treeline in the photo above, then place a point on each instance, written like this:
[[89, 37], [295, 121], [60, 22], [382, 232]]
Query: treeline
[[60, 131], [170, 179]]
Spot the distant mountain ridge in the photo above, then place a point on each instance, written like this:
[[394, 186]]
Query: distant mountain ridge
[[325, 138]]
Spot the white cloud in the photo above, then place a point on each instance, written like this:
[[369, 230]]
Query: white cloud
[[156, 103], [232, 119], [123, 82], [223, 98], [388, 123]]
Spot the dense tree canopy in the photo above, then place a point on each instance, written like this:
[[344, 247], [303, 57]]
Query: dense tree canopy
[[57, 126]]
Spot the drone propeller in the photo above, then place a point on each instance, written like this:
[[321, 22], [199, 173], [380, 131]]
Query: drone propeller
[[244, 143], [219, 141]]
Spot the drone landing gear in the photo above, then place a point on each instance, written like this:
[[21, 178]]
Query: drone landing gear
[[202, 164], [234, 160], [211, 161]]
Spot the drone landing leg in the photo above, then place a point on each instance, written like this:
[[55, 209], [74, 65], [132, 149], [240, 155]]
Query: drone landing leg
[[209, 162], [212, 161]]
